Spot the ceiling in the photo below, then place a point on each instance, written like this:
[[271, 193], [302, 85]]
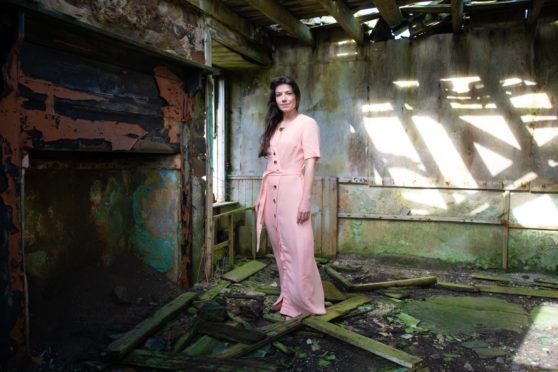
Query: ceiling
[[244, 32]]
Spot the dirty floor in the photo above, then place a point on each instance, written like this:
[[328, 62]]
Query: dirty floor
[[449, 330]]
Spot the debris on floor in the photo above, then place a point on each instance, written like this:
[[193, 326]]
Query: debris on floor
[[381, 316]]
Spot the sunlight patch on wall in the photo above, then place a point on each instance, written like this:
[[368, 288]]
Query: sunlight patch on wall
[[472, 106], [406, 83], [479, 209], [443, 151], [532, 101], [494, 125], [552, 163], [377, 107], [428, 197], [543, 136], [540, 211], [537, 118], [495, 162], [462, 195], [511, 82], [521, 181], [462, 84], [398, 153]]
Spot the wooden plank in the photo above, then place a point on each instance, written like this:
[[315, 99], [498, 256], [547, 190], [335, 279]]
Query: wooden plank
[[457, 287], [365, 343], [344, 16], [231, 333], [506, 222], [317, 218], [343, 308], [491, 277], [203, 346], [278, 14], [274, 291], [185, 339], [457, 15], [389, 10], [230, 261], [521, 291], [422, 281], [209, 223], [331, 292], [273, 332], [222, 13], [215, 291], [233, 212], [120, 347], [248, 50], [172, 361], [244, 271], [339, 278], [331, 215]]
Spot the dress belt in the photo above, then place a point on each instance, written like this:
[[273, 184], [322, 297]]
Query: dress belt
[[260, 204]]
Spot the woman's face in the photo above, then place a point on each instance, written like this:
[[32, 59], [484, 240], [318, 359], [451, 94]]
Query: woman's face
[[285, 98]]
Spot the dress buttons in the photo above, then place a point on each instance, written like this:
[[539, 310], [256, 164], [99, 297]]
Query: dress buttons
[[274, 200], [275, 162], [274, 186], [273, 154]]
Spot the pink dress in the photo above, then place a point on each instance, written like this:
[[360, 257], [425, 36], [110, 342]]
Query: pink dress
[[280, 195]]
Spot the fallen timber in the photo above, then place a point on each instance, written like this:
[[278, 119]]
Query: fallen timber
[[122, 346]]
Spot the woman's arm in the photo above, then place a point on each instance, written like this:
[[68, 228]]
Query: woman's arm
[[304, 206]]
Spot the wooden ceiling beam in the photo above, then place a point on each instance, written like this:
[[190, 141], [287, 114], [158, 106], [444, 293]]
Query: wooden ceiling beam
[[239, 44], [221, 12], [534, 12], [345, 18], [390, 12], [281, 16], [456, 15]]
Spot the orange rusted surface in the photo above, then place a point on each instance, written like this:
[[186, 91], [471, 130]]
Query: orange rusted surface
[[10, 199], [122, 136], [179, 109]]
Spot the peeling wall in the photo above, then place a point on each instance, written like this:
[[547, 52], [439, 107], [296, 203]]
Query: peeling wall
[[172, 26], [99, 147], [425, 137]]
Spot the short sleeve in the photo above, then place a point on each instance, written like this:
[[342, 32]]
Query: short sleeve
[[311, 140]]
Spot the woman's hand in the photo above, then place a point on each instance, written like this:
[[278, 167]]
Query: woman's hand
[[303, 214]]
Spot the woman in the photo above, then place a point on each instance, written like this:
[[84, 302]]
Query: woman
[[291, 143]]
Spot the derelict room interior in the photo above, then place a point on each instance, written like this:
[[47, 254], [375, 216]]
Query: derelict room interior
[[129, 176]]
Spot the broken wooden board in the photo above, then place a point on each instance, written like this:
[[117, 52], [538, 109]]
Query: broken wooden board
[[331, 292], [120, 347], [365, 343], [174, 362], [244, 271], [343, 308], [521, 291], [273, 332], [457, 287], [183, 340], [203, 346], [422, 281], [227, 332], [339, 278], [268, 290], [492, 277], [215, 291]]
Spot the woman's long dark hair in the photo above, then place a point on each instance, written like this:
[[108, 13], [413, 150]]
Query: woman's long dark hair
[[274, 116]]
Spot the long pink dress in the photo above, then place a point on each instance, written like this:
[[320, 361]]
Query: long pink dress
[[280, 195]]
